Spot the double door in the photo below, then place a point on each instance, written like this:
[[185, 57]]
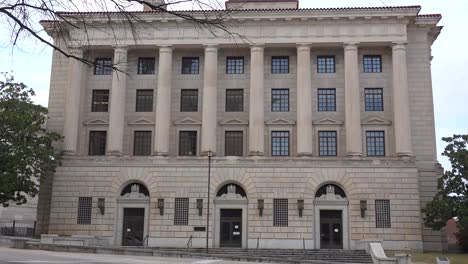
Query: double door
[[231, 228], [133, 226], [331, 231]]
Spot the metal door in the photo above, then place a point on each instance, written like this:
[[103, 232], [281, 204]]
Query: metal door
[[331, 232], [133, 226], [231, 228]]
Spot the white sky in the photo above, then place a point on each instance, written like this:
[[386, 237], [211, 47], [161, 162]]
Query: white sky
[[31, 64]]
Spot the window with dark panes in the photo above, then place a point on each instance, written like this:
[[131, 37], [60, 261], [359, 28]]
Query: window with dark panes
[[181, 211], [327, 143], [375, 143], [100, 101], [103, 66], [280, 64], [190, 65], [280, 212], [142, 143], [97, 143], [189, 100], [85, 205], [234, 100], [146, 65], [373, 99], [188, 143], [144, 101], [279, 100], [326, 100], [233, 143], [372, 63], [280, 143], [382, 214], [326, 64], [235, 65]]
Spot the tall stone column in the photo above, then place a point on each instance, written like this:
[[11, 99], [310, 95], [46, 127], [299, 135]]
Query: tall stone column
[[401, 112], [163, 102], [352, 101], [304, 101], [256, 112], [208, 139], [117, 103], [72, 103]]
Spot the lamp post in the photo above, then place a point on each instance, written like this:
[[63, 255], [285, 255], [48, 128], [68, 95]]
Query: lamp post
[[210, 154]]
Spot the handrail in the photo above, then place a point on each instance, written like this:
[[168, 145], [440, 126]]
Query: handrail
[[303, 246], [146, 239], [258, 242], [189, 242]]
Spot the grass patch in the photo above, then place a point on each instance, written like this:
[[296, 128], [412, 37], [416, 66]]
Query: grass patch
[[430, 257]]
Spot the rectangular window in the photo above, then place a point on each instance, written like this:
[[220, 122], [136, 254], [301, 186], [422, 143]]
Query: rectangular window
[[233, 145], [234, 100], [280, 64], [181, 211], [372, 63], [327, 143], [103, 66], [375, 143], [326, 100], [235, 65], [142, 143], [100, 101], [373, 99], [188, 143], [144, 101], [146, 65], [97, 143], [280, 100], [326, 64], [85, 205], [280, 143], [280, 212], [190, 65], [189, 100], [382, 214]]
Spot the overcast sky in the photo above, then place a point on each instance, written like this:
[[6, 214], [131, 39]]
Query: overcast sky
[[31, 63]]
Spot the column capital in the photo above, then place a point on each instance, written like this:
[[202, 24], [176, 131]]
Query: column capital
[[165, 49], [303, 46], [399, 45], [76, 51], [350, 45], [211, 48], [257, 48], [120, 49]]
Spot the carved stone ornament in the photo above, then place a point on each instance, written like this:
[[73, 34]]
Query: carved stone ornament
[[135, 192], [330, 194], [231, 194]]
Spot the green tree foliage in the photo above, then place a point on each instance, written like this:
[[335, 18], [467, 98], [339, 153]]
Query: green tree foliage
[[451, 199], [27, 154]]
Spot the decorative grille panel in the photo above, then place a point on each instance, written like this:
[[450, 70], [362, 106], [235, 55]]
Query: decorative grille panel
[[280, 212], [85, 205], [382, 214], [181, 211]]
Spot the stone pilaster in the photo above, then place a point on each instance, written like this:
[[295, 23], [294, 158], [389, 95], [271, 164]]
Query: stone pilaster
[[304, 101], [210, 84], [72, 103], [352, 101], [401, 113], [256, 112], [163, 102], [117, 103]]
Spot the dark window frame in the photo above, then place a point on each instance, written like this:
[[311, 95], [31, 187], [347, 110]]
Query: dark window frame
[[188, 142], [85, 209], [383, 215], [328, 148], [234, 143], [323, 64], [235, 65], [373, 100], [146, 69], [142, 142], [283, 138], [144, 102], [100, 148], [103, 66], [280, 100], [189, 100], [280, 64], [280, 212], [372, 63], [234, 100], [375, 143], [100, 106], [181, 211], [326, 100], [190, 65]]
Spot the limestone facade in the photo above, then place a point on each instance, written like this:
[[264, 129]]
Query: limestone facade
[[406, 175]]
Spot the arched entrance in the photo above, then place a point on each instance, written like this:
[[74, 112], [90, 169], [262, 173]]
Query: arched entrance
[[132, 215], [331, 218], [230, 216]]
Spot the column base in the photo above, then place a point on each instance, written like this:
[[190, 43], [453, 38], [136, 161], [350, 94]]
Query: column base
[[354, 155], [405, 155], [161, 154], [69, 153], [114, 153], [256, 153], [205, 153], [304, 154]]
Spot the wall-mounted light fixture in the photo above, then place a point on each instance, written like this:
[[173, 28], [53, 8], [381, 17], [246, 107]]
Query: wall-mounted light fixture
[[300, 206], [161, 206], [363, 205], [101, 203], [200, 206], [260, 205]]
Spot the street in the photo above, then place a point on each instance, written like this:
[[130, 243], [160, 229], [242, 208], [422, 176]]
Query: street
[[9, 255]]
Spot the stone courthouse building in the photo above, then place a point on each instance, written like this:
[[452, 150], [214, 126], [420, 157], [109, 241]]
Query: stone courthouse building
[[319, 124]]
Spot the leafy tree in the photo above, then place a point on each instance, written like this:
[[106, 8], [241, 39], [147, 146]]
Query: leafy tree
[[451, 199], [26, 150]]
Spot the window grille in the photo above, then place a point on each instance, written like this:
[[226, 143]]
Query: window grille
[[280, 212], [235, 65], [372, 63], [146, 65], [100, 101], [97, 143], [382, 214], [142, 143], [181, 211], [280, 143], [188, 143], [233, 145], [85, 205], [103, 66], [327, 143], [375, 143], [280, 64], [280, 100], [144, 101], [373, 99], [234, 100], [326, 100], [189, 100], [190, 65], [326, 64]]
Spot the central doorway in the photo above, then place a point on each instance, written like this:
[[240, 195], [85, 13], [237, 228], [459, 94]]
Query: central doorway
[[133, 226], [331, 231], [231, 228]]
